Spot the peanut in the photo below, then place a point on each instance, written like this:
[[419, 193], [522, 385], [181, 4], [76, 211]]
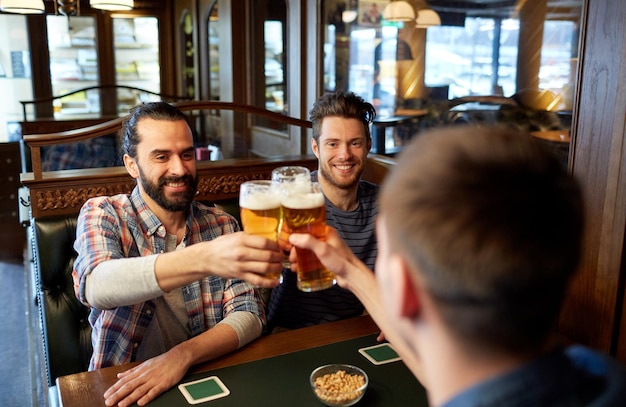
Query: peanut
[[339, 387]]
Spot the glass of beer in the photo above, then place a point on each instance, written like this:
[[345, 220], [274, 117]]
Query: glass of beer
[[287, 180], [304, 211], [290, 176], [260, 212]]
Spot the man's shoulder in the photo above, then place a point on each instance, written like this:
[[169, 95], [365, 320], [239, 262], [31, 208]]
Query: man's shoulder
[[368, 192], [600, 368], [596, 362], [119, 200], [368, 186]]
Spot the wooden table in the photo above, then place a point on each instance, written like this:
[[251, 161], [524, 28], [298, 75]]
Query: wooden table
[[558, 136], [400, 117], [86, 388]]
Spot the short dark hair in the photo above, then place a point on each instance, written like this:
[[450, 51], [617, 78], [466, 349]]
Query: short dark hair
[[153, 110], [340, 104], [491, 222]]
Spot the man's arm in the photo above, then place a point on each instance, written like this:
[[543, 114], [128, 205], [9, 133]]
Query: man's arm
[[145, 382], [241, 325], [353, 275], [111, 285], [101, 238], [235, 255]]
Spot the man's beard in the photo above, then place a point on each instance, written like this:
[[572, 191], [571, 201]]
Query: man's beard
[[180, 201], [326, 172]]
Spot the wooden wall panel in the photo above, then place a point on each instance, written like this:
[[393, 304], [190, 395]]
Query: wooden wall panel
[[591, 314]]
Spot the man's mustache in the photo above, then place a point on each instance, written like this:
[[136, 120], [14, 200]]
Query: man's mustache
[[187, 179]]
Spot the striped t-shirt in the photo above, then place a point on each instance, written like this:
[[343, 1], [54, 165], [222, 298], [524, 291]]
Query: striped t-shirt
[[291, 308]]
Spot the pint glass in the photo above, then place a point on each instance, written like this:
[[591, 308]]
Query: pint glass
[[260, 211], [305, 212], [288, 180], [291, 176]]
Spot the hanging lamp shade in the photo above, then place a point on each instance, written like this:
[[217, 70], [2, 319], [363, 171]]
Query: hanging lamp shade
[[349, 16], [112, 5], [399, 11], [427, 18], [22, 6]]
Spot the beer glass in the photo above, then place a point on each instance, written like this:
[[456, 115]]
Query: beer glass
[[304, 211], [291, 175], [260, 212], [286, 180]]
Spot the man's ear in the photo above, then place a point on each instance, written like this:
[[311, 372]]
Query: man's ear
[[315, 147], [131, 166], [409, 301]]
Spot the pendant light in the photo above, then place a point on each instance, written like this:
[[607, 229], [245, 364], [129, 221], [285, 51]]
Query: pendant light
[[112, 5], [399, 11], [22, 6], [427, 18]]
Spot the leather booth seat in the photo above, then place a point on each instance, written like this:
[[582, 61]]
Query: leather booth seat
[[65, 330]]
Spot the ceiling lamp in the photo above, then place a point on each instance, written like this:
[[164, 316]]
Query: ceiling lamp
[[22, 6], [112, 5], [427, 18], [399, 11], [349, 16]]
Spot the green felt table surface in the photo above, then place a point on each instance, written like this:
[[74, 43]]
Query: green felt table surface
[[284, 380]]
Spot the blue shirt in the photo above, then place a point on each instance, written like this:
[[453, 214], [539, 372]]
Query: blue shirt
[[571, 377]]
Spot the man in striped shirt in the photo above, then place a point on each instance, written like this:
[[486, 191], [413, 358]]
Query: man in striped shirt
[[341, 141]]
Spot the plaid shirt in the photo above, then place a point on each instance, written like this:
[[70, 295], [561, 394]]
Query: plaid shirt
[[123, 226]]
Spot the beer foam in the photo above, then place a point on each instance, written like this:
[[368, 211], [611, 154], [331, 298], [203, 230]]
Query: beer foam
[[304, 201], [260, 202]]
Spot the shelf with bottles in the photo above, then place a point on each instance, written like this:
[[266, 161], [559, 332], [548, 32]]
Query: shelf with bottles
[[134, 46], [87, 102], [68, 34], [72, 70], [149, 85], [134, 33], [77, 66], [136, 52], [137, 71], [73, 54]]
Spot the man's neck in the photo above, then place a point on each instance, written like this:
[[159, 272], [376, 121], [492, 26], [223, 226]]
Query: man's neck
[[344, 199], [173, 222]]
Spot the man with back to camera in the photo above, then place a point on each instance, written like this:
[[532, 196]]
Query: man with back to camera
[[341, 141], [479, 234], [162, 273]]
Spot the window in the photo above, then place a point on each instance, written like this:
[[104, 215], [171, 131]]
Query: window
[[214, 53], [273, 65], [462, 58]]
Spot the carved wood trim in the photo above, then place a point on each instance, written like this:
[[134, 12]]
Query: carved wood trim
[[64, 192]]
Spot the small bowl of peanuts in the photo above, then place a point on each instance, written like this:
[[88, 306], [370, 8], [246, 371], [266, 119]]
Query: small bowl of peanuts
[[339, 385]]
